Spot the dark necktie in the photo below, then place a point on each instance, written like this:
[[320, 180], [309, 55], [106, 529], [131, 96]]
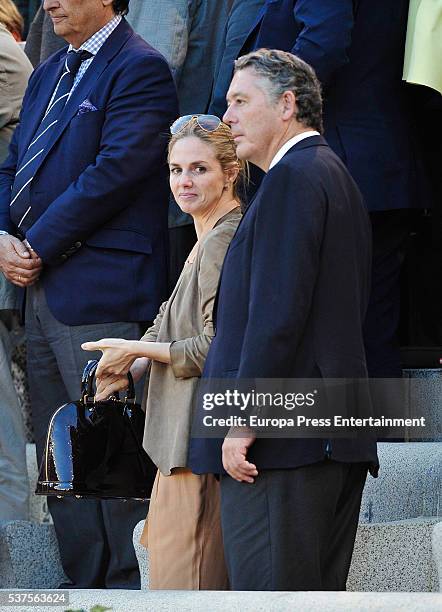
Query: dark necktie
[[20, 193]]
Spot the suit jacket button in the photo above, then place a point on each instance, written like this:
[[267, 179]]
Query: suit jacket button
[[63, 257], [78, 245]]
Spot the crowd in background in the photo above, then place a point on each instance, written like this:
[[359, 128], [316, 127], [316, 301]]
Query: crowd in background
[[385, 129]]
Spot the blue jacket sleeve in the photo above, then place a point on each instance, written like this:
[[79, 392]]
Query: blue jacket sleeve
[[325, 34], [7, 174], [9, 166]]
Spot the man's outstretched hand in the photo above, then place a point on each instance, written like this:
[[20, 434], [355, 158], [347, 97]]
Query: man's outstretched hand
[[20, 264], [235, 448]]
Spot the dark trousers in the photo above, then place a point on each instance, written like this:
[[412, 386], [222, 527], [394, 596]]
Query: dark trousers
[[293, 529], [94, 536], [391, 231]]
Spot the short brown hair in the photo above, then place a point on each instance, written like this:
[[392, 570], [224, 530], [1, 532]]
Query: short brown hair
[[10, 17]]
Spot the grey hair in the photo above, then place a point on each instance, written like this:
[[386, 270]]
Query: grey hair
[[282, 71]]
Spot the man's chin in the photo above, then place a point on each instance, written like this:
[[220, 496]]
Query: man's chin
[[59, 28], [242, 151]]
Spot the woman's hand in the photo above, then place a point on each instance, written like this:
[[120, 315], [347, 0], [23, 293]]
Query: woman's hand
[[109, 384], [118, 356]]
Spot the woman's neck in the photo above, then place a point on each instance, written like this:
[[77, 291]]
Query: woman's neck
[[207, 222]]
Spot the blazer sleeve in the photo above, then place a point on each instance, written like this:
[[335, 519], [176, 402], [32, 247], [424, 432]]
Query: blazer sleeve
[[9, 166], [325, 34], [137, 117], [151, 334], [7, 174], [188, 355], [6, 113], [288, 233]]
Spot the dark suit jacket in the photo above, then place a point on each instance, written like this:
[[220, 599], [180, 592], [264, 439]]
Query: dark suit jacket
[[293, 294], [100, 196], [357, 50]]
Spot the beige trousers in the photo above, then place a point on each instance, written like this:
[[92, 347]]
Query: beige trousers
[[183, 533]]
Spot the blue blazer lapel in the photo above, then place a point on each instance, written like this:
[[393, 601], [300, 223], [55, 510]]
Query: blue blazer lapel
[[40, 101], [100, 62]]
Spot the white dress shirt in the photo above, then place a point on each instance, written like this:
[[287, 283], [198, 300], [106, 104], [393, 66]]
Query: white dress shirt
[[289, 144]]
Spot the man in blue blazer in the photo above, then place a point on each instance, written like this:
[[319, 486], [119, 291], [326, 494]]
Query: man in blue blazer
[[356, 48], [83, 214], [291, 302]]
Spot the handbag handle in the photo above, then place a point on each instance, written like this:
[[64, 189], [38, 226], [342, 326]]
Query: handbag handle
[[87, 384]]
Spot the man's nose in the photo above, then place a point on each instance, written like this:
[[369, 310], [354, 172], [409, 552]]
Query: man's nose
[[228, 116], [50, 4]]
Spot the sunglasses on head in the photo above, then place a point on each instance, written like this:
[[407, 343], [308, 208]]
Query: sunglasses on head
[[208, 123]]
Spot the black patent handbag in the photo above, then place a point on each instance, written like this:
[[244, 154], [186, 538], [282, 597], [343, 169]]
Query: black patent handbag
[[94, 449]]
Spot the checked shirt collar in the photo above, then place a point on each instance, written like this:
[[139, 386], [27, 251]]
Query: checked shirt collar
[[93, 45]]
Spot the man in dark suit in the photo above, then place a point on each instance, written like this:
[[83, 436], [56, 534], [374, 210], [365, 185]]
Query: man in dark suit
[[291, 302], [356, 48], [83, 214]]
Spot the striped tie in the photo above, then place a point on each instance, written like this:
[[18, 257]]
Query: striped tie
[[20, 193]]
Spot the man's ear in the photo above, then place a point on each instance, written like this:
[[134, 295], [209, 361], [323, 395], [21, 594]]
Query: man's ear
[[106, 2], [288, 105]]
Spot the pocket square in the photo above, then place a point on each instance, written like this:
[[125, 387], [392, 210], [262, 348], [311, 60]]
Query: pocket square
[[86, 107]]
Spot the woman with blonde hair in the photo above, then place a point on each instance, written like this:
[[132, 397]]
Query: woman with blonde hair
[[11, 18], [183, 530]]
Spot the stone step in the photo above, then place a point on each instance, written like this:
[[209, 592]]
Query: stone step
[[437, 550], [409, 486], [142, 555], [38, 507], [425, 397], [29, 556], [409, 483], [394, 556], [246, 601]]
